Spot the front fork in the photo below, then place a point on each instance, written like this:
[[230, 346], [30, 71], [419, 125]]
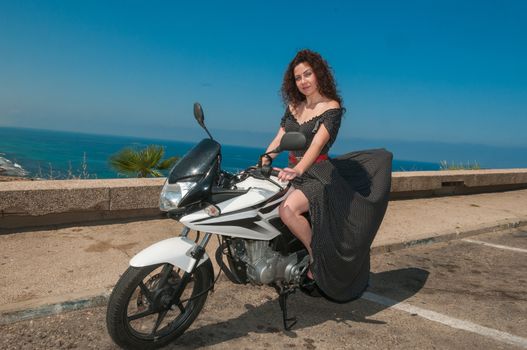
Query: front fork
[[196, 254]]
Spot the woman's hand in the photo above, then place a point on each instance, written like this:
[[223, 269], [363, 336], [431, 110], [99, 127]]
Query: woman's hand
[[265, 160], [288, 174]]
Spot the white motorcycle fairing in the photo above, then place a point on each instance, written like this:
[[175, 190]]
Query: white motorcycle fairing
[[175, 251], [245, 216]]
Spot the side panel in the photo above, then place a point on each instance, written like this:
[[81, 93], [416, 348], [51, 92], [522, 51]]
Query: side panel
[[246, 216], [175, 251], [251, 224]]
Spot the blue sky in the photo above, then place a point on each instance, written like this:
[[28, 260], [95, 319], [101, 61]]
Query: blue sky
[[434, 71]]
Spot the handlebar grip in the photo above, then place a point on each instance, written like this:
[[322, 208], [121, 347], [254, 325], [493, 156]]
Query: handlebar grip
[[267, 171]]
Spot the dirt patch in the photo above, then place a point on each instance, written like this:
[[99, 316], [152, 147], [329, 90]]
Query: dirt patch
[[25, 296], [103, 246]]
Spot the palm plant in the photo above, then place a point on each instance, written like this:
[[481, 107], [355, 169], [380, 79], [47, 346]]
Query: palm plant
[[143, 162]]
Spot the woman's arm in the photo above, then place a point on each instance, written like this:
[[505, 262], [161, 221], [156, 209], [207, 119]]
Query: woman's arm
[[275, 143]]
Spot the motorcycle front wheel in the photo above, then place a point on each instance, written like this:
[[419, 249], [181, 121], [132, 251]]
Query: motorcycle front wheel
[[139, 315]]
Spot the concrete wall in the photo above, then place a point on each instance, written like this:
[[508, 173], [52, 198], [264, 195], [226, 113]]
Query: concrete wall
[[25, 204], [418, 184]]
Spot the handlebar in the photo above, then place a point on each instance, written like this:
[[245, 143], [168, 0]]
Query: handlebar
[[267, 171], [264, 172]]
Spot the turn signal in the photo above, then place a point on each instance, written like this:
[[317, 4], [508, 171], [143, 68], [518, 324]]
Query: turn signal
[[212, 210]]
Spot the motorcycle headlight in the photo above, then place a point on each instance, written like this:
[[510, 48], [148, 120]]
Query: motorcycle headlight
[[172, 194]]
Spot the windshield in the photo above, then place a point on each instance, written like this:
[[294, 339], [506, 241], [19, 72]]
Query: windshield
[[196, 162]]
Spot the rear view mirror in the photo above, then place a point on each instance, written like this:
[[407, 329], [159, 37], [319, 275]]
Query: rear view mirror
[[292, 141], [198, 114]]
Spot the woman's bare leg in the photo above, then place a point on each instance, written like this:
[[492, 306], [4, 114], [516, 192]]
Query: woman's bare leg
[[291, 211]]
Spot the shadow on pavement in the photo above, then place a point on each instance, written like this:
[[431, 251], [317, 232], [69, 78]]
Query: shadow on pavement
[[398, 285]]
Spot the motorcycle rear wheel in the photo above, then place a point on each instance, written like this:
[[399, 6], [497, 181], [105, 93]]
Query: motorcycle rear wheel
[[137, 315]]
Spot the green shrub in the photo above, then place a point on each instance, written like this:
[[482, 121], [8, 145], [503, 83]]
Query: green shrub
[[444, 165]]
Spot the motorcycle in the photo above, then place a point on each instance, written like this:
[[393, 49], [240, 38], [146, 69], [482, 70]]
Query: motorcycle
[[166, 285]]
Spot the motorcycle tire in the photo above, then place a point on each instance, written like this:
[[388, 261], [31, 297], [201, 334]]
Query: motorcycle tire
[[131, 320]]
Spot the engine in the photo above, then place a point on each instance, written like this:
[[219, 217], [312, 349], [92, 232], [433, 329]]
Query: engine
[[265, 265]]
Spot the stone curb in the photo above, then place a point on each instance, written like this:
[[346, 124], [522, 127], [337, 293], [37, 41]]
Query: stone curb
[[53, 309], [449, 235], [102, 299]]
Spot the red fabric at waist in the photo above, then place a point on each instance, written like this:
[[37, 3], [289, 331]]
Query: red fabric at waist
[[294, 160]]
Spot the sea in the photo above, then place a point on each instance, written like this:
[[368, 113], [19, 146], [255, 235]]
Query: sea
[[48, 154]]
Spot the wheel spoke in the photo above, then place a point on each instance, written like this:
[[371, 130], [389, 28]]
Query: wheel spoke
[[181, 307], [141, 314], [160, 318], [146, 292]]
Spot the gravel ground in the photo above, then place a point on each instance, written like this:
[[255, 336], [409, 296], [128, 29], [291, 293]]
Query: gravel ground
[[458, 279], [84, 329]]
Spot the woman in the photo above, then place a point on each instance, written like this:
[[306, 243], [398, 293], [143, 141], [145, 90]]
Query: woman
[[314, 108], [328, 189]]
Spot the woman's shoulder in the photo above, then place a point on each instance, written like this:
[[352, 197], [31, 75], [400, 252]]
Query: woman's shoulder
[[291, 109], [331, 104], [331, 107], [286, 116]]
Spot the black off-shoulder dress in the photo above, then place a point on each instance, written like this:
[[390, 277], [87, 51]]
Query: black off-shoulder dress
[[348, 197]]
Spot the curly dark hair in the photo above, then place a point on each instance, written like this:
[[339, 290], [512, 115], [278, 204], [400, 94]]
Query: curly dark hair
[[326, 82]]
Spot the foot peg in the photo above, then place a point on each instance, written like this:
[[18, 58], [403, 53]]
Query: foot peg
[[309, 287]]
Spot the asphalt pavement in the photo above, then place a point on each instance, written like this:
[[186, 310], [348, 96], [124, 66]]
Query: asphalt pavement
[[451, 295], [466, 289]]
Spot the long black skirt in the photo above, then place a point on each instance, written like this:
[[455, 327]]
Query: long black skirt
[[348, 197]]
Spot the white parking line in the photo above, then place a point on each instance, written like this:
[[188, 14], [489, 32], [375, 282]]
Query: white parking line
[[447, 320], [495, 245]]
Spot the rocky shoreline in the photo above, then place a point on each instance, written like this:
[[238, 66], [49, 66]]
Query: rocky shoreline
[[11, 171]]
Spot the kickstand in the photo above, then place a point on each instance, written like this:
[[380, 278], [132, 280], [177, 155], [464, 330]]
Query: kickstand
[[283, 293]]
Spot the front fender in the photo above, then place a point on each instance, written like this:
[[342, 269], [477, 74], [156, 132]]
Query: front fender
[[175, 251]]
